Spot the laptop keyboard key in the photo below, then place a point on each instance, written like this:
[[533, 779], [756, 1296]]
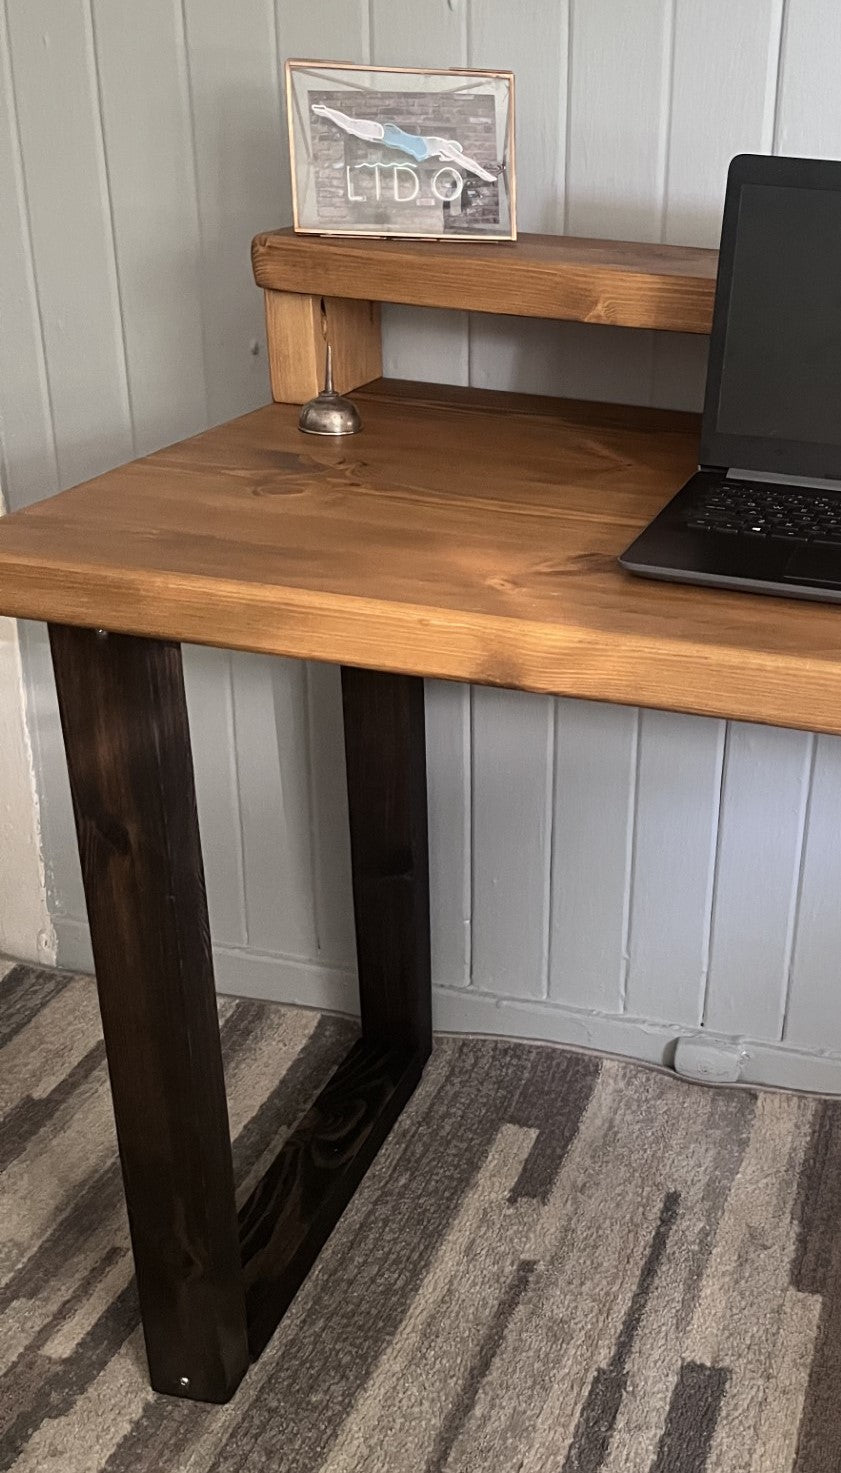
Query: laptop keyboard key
[[780, 513]]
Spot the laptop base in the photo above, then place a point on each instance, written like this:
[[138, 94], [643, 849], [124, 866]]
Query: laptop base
[[669, 550]]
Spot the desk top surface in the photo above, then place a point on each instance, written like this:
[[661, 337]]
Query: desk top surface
[[463, 534]]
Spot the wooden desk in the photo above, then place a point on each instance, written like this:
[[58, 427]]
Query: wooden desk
[[463, 534]]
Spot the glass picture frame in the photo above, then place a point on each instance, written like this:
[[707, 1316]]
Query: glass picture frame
[[391, 152]]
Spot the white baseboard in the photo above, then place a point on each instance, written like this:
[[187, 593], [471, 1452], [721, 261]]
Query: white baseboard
[[241, 973], [775, 1065], [73, 944], [465, 1010], [285, 979]]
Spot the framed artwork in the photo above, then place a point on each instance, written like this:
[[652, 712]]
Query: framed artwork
[[388, 152]]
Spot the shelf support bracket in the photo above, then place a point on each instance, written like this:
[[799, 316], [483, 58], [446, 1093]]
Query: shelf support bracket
[[297, 331]]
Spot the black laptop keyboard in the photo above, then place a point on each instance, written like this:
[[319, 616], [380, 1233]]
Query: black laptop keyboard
[[739, 508]]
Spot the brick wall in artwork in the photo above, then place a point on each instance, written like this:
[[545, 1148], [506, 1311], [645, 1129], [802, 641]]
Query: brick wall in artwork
[[400, 194]]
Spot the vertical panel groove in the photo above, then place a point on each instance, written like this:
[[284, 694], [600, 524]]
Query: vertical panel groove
[[568, 114], [551, 827], [813, 1006], [709, 902], [20, 169], [510, 743], [759, 835], [185, 72], [595, 757], [105, 187], [778, 90], [306, 725], [273, 4], [237, 764], [633, 797], [715, 873], [669, 44], [665, 146], [94, 53], [280, 90], [238, 838], [797, 894]]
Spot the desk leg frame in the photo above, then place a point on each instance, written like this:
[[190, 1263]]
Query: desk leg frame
[[212, 1283]]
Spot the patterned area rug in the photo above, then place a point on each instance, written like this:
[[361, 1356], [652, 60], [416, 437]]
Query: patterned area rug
[[558, 1264]]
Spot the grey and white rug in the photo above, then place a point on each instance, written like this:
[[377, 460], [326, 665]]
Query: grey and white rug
[[558, 1264]]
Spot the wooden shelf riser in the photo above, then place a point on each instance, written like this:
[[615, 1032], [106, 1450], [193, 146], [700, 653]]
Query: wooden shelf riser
[[559, 278], [298, 328]]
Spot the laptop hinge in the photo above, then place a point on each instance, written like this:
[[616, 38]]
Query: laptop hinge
[[774, 478]]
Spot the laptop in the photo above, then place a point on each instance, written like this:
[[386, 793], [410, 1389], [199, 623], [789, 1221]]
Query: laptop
[[763, 511]]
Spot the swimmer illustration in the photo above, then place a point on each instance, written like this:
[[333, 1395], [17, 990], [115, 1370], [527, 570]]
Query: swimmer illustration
[[417, 145]]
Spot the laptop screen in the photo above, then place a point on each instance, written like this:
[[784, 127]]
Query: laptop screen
[[774, 387]]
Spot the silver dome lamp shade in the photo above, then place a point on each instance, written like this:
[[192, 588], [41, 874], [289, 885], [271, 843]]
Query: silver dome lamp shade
[[329, 413]]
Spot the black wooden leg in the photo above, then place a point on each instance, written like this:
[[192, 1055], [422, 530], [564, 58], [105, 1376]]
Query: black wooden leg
[[213, 1289], [293, 1210], [128, 749], [385, 747]]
